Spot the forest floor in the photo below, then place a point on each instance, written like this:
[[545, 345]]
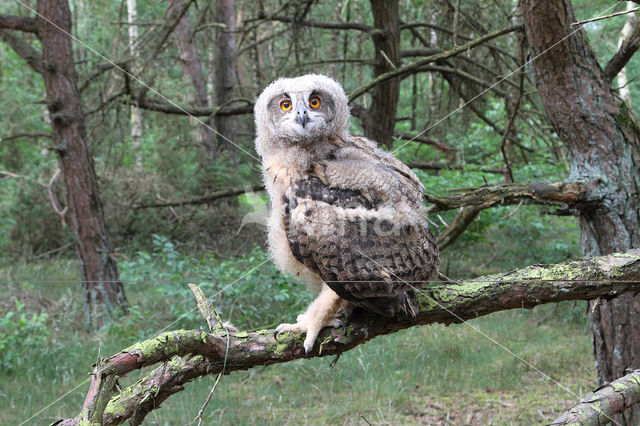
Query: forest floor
[[425, 375]]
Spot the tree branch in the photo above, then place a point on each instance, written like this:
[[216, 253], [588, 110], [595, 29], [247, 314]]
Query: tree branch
[[428, 141], [600, 406], [433, 58], [316, 24], [20, 23], [24, 49], [187, 354], [572, 193], [34, 134], [628, 47], [566, 194], [202, 200], [461, 222], [434, 165], [163, 106]]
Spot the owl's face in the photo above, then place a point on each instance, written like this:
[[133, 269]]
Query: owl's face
[[301, 110]]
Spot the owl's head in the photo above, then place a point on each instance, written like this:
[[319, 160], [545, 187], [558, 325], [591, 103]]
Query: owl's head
[[300, 111]]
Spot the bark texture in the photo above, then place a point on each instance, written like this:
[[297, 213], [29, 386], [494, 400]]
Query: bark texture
[[225, 70], [192, 66], [599, 407], [187, 354], [603, 139], [103, 293], [380, 120], [136, 112]]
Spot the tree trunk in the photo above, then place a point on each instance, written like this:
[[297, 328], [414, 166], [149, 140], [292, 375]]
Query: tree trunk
[[103, 293], [225, 70], [136, 112], [381, 117], [603, 139], [192, 66]]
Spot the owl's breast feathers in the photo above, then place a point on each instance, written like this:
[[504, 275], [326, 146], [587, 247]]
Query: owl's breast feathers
[[371, 247]]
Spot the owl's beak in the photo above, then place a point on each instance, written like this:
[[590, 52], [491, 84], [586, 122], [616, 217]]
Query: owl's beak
[[302, 114]]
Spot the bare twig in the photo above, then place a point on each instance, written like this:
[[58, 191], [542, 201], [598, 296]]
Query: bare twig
[[599, 18]]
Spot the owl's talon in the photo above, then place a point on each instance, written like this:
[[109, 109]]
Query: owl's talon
[[342, 325]]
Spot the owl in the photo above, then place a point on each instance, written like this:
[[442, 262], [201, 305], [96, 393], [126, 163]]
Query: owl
[[345, 216]]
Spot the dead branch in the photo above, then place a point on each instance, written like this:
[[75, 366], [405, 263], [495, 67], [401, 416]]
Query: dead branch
[[160, 105], [24, 49], [434, 165], [628, 47], [461, 222], [187, 354], [428, 141], [563, 193], [599, 18], [316, 24], [20, 23], [433, 58], [600, 406], [34, 134], [202, 200]]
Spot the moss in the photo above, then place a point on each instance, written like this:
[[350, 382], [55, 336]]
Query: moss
[[619, 387], [624, 118], [114, 408], [241, 335], [280, 347]]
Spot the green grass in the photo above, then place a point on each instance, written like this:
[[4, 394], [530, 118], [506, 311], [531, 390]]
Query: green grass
[[431, 374]]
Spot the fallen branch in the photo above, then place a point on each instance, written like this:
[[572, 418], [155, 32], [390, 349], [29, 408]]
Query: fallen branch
[[601, 405], [188, 354]]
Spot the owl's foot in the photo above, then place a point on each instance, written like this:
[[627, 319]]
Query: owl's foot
[[311, 329], [320, 314]]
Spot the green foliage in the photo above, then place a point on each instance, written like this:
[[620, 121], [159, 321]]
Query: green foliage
[[21, 335], [248, 290]]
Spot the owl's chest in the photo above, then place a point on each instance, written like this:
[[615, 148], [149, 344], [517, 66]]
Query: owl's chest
[[277, 181]]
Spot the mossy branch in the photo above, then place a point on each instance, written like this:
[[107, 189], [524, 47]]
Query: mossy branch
[[188, 354], [601, 405]]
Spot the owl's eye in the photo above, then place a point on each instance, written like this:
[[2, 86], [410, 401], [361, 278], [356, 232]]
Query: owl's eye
[[285, 105], [314, 102]]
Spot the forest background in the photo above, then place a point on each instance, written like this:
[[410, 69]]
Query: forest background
[[182, 203]]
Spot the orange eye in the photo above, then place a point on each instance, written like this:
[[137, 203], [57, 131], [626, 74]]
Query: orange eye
[[285, 105], [314, 102]]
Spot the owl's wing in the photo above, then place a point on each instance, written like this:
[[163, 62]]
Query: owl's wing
[[388, 160], [363, 257]]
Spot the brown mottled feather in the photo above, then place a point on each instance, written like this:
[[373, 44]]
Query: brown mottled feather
[[335, 232]]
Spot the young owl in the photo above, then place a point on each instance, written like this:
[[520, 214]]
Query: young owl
[[346, 217]]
